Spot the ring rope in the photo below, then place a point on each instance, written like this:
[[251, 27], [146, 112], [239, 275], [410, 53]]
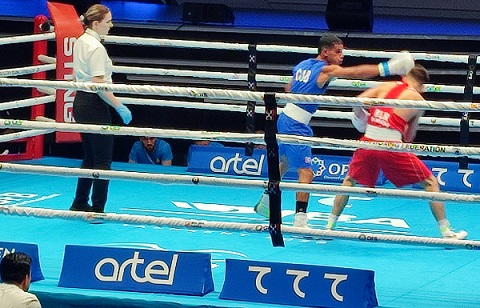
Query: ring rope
[[112, 39], [330, 114], [417, 148], [47, 59], [24, 134], [203, 224], [420, 149], [27, 70], [139, 41], [27, 38], [335, 84], [344, 115], [46, 90], [27, 102], [282, 98], [217, 181], [430, 88]]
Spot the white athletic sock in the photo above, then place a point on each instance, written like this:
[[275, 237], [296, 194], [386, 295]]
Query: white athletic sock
[[444, 225], [332, 221]]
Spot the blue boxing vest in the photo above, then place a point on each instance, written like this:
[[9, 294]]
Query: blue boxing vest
[[305, 76]]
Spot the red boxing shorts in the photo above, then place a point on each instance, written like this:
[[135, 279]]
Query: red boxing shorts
[[399, 168]]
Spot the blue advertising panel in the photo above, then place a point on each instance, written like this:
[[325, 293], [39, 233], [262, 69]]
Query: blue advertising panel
[[298, 284], [29, 249], [138, 270], [451, 178], [233, 161]]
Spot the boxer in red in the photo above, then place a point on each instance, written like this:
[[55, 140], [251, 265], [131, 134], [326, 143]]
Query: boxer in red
[[392, 125]]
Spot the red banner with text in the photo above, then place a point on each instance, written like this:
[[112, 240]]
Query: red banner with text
[[68, 28]]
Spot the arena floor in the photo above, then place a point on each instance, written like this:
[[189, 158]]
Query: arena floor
[[405, 275]]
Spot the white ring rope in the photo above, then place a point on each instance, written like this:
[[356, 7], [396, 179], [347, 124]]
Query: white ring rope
[[27, 102], [216, 181], [143, 41], [337, 83], [430, 88], [344, 115], [416, 148], [420, 149], [416, 55], [26, 38], [112, 39], [236, 226], [26, 70], [329, 114], [47, 59], [282, 98], [24, 134], [351, 84], [181, 73]]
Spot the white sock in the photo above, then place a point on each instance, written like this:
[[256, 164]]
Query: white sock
[[444, 225], [332, 221], [333, 218]]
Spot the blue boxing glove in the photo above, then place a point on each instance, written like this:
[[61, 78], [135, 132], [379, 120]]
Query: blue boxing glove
[[399, 64], [124, 113]]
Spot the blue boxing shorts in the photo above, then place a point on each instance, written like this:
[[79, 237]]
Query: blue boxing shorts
[[298, 156]]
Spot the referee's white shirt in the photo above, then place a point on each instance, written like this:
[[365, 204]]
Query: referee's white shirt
[[90, 58]]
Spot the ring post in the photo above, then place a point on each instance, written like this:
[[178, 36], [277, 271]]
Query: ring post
[[273, 170], [468, 97], [252, 86], [68, 28], [35, 146]]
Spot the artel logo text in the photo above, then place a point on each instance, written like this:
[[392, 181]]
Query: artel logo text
[[155, 272]]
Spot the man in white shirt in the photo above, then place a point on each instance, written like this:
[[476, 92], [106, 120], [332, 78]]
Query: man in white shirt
[[15, 272]]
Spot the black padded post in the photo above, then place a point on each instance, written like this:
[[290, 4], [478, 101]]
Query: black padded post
[[273, 170], [468, 97], [252, 86]]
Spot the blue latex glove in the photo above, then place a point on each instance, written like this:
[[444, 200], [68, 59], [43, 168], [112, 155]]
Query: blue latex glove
[[124, 113]]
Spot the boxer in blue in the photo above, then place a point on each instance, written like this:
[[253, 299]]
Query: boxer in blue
[[312, 76]]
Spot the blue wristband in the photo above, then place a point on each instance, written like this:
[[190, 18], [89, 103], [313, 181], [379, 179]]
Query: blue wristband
[[386, 69]]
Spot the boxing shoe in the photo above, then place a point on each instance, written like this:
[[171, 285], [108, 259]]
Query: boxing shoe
[[449, 234], [300, 220], [330, 226], [262, 208]]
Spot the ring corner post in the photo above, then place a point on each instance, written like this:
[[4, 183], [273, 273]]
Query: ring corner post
[[34, 148], [252, 86], [67, 28], [273, 160], [468, 97]]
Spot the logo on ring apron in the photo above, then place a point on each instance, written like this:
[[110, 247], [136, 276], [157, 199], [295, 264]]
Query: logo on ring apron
[[140, 270]]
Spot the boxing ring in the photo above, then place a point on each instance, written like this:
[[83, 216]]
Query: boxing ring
[[168, 208]]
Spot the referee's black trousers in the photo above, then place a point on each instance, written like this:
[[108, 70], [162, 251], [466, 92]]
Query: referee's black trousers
[[89, 108]]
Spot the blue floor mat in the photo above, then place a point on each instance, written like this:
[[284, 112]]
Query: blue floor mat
[[405, 275]]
